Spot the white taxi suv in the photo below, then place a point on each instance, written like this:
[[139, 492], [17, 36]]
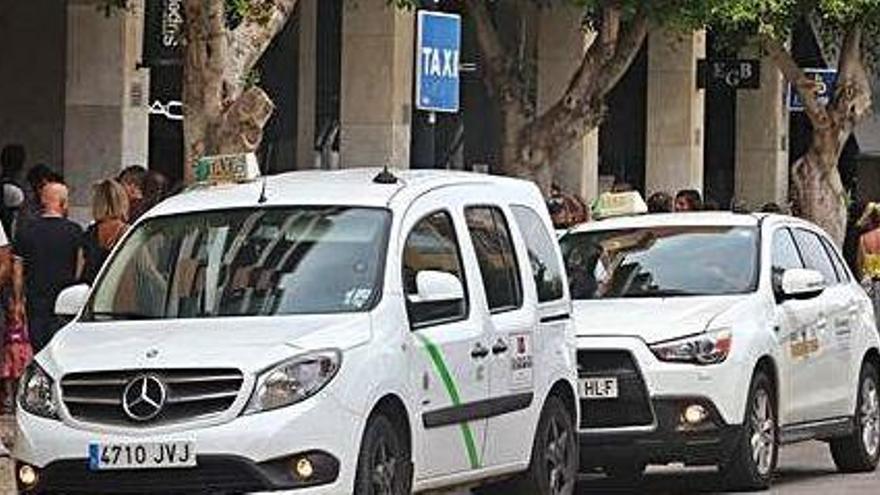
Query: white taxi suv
[[714, 338], [317, 333]]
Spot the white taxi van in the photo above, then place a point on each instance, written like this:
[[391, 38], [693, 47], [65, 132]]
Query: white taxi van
[[317, 333], [714, 338]]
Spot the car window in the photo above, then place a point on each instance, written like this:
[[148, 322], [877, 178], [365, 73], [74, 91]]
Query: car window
[[495, 255], [667, 261], [432, 246], [247, 262], [785, 254], [839, 266], [546, 270], [814, 254]]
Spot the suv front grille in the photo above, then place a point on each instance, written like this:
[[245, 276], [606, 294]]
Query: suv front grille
[[632, 408], [190, 393]]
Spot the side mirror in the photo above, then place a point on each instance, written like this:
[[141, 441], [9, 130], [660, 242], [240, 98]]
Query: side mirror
[[798, 283], [436, 286], [71, 300]]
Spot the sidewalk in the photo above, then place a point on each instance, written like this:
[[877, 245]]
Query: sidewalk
[[7, 476]]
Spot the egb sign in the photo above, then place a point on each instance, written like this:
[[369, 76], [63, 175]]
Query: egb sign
[[732, 73]]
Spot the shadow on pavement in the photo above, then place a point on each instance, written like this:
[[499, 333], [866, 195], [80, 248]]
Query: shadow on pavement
[[682, 482]]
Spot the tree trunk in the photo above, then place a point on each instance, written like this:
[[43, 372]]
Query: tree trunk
[[817, 190], [222, 113]]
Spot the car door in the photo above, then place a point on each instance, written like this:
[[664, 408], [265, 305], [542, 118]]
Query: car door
[[847, 323], [448, 369], [829, 392], [794, 324], [511, 323]]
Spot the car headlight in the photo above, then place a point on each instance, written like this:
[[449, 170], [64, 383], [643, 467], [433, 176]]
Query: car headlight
[[706, 348], [294, 380], [36, 393]]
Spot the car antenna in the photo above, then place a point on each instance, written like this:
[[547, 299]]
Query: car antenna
[[385, 177], [263, 198]]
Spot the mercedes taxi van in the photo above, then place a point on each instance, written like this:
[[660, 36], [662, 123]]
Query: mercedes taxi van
[[715, 338], [314, 332]]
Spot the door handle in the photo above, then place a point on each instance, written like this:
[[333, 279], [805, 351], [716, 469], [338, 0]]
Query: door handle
[[500, 347], [479, 351]]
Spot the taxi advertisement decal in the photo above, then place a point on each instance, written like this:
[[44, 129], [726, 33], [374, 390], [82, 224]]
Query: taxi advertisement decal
[[522, 362]]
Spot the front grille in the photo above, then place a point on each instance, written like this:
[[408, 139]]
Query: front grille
[[632, 408], [214, 475], [97, 397]]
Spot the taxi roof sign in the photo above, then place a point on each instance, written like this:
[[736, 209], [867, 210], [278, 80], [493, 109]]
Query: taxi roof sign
[[622, 204], [226, 169]]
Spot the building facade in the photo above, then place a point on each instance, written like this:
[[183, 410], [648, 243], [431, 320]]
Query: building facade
[[78, 96]]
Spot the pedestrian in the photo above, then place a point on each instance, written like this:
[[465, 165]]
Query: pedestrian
[[110, 211], [12, 159], [38, 176], [771, 207], [660, 202], [50, 249], [132, 179], [17, 350], [688, 200], [869, 253], [156, 188]]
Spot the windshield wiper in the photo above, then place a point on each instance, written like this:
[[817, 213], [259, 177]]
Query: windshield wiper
[[119, 315], [660, 293]]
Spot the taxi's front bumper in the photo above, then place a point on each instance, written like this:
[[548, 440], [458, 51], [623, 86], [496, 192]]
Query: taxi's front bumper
[[669, 440], [248, 454]]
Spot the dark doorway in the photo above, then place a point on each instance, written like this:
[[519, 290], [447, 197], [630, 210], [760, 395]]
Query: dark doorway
[[166, 130], [622, 137], [278, 72], [719, 150]]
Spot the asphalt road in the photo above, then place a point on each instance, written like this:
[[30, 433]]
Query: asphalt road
[[804, 469]]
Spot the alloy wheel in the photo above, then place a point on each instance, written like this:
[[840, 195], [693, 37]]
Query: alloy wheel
[[869, 417], [763, 432], [384, 469], [557, 457]]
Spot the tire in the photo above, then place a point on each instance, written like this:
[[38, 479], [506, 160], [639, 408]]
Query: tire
[[757, 448], [860, 451], [554, 463], [384, 460], [625, 472]]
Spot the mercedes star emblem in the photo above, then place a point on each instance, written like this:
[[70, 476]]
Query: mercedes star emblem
[[144, 397]]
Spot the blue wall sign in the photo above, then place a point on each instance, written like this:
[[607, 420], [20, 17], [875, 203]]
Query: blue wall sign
[[438, 51], [826, 80]]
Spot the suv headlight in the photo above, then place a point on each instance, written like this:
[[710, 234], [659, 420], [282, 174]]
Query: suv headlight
[[703, 349], [36, 393], [294, 380]]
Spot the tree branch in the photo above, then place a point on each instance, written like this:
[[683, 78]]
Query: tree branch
[[852, 98], [805, 86], [625, 51], [498, 77], [252, 37]]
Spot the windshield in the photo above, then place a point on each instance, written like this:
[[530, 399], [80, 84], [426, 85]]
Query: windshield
[[662, 262], [251, 262]]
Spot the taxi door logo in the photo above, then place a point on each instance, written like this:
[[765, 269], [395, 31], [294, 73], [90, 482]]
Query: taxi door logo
[[522, 362]]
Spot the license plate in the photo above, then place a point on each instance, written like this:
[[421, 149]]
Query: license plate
[[146, 455], [599, 388]]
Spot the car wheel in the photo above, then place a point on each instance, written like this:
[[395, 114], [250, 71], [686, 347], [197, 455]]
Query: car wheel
[[625, 472], [554, 463], [860, 451], [384, 461], [757, 449]]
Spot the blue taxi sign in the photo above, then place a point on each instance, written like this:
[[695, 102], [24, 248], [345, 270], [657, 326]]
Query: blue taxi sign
[[438, 53], [226, 169]]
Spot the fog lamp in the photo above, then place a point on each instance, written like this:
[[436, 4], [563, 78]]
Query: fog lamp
[[695, 414], [304, 468], [27, 475]]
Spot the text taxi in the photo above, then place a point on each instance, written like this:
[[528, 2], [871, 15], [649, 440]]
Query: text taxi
[[315, 332]]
